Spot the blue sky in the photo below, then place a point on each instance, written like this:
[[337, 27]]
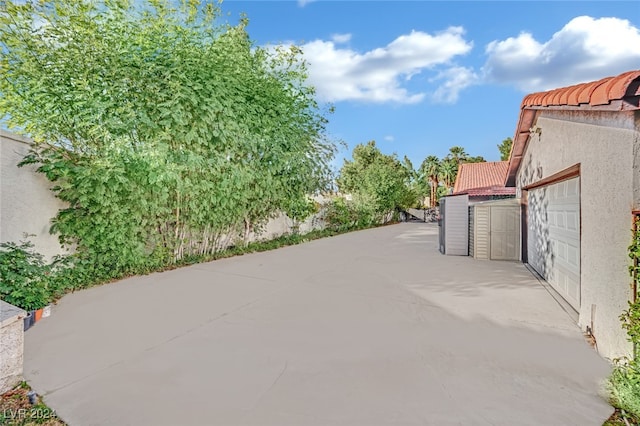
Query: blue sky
[[420, 76]]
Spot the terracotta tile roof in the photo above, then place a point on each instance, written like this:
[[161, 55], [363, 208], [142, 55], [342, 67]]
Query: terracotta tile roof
[[617, 93], [600, 92], [480, 176]]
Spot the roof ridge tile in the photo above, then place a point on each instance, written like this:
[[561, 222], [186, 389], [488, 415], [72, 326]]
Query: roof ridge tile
[[594, 93]]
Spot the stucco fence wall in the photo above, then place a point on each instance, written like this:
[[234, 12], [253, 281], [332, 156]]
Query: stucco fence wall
[[609, 165], [26, 203], [283, 225]]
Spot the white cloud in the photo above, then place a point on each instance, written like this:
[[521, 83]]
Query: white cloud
[[585, 49], [341, 38], [341, 74], [456, 79], [389, 138]]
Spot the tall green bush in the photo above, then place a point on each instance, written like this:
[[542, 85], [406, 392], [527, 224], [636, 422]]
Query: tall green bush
[[342, 215], [168, 132], [378, 183]]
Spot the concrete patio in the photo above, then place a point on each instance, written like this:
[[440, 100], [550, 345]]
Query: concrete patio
[[369, 328]]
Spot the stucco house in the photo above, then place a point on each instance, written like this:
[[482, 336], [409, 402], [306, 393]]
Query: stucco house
[[575, 163], [483, 181]]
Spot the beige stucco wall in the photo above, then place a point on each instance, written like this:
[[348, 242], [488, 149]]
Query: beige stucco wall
[[607, 168], [26, 203], [283, 225]]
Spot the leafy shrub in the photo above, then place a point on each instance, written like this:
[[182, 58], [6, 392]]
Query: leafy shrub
[[23, 276], [624, 383], [338, 215], [631, 323], [624, 387], [344, 215]]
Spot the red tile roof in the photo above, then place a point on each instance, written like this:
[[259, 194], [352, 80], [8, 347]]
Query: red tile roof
[[600, 92], [618, 93], [482, 177]]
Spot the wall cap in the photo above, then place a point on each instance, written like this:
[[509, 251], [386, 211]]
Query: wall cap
[[10, 314]]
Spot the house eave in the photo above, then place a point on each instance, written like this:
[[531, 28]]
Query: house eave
[[529, 116]]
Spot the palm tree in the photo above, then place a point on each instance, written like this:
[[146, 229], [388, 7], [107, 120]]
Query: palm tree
[[430, 168], [448, 171], [457, 154]]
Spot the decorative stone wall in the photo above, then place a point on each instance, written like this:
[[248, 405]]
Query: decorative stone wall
[[11, 345]]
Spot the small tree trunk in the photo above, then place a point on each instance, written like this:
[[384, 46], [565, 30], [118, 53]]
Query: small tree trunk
[[247, 231]]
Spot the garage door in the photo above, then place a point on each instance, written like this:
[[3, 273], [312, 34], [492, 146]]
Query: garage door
[[553, 238]]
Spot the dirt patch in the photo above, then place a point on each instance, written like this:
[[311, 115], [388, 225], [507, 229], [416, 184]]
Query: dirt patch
[[16, 409], [620, 419]]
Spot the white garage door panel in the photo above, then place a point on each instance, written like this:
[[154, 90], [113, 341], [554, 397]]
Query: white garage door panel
[[554, 236]]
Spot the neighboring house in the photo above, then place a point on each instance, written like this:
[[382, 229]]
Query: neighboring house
[[576, 165], [483, 181]]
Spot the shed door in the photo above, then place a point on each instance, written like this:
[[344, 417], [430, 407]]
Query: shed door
[[482, 232], [505, 233], [553, 237]]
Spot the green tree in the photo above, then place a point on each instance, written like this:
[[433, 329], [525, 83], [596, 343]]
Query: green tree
[[476, 159], [448, 172], [412, 174], [381, 181], [430, 169], [505, 149], [445, 171], [457, 154], [166, 133], [415, 182], [451, 163]]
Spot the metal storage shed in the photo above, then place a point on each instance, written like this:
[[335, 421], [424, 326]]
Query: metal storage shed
[[454, 225], [494, 230]]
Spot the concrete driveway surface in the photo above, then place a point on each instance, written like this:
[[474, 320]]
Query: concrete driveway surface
[[368, 328]]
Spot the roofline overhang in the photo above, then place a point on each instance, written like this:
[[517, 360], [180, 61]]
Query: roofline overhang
[[529, 114], [520, 140]]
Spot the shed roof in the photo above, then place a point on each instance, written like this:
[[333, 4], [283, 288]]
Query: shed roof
[[495, 191], [617, 93], [480, 176]]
